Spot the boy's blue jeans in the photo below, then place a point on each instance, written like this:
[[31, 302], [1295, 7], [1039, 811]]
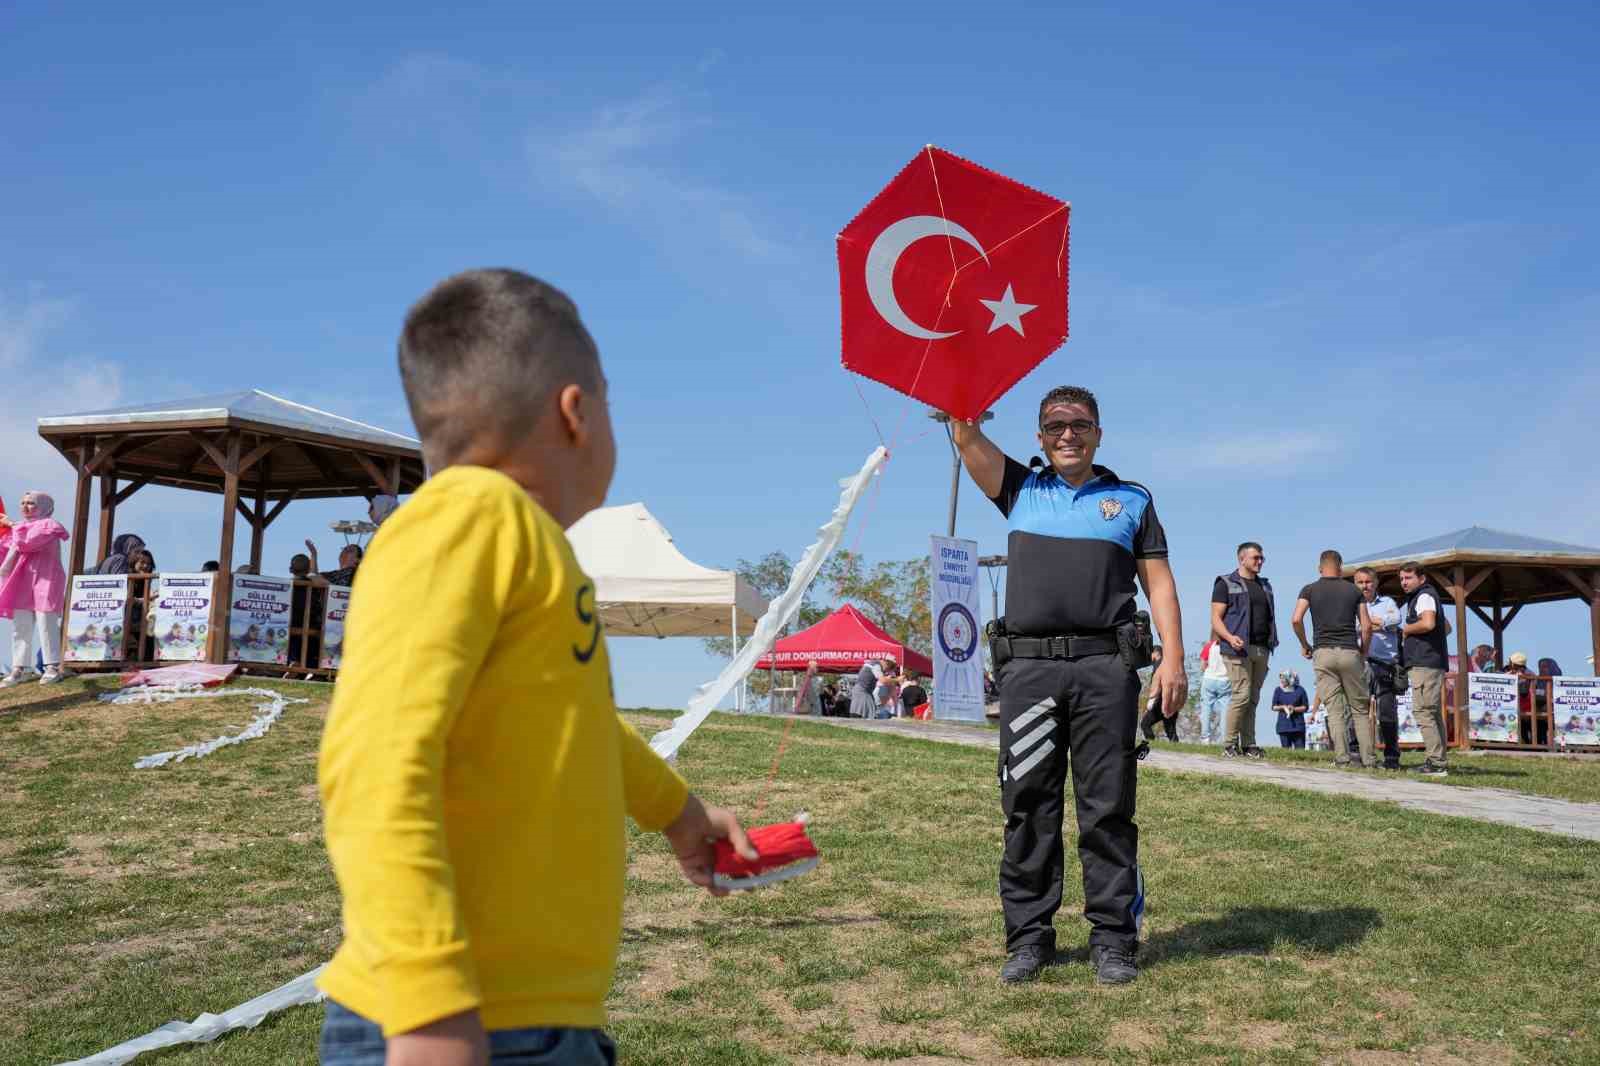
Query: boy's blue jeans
[[348, 1039]]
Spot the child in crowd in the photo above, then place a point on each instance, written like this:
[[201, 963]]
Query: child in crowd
[[888, 690], [474, 771], [33, 587]]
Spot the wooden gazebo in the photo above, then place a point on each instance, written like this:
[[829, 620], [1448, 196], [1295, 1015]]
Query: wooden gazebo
[[259, 451], [1494, 575]]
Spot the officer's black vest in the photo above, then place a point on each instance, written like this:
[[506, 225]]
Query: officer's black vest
[[1430, 649]]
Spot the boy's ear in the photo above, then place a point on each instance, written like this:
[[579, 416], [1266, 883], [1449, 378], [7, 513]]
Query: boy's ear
[[572, 406]]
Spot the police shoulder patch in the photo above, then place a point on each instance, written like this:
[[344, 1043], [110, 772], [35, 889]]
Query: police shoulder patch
[[1110, 507]]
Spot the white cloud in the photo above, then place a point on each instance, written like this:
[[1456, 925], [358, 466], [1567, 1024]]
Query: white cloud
[[623, 158]]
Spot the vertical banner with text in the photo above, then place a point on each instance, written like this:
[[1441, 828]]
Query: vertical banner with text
[[1410, 731], [258, 620], [182, 617], [1492, 707], [336, 606], [1577, 710], [957, 661], [97, 610]]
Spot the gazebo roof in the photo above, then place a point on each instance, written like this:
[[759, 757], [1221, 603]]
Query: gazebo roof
[[302, 450], [1526, 569], [1480, 541]]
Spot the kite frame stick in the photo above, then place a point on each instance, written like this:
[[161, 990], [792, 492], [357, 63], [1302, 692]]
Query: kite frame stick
[[771, 877]]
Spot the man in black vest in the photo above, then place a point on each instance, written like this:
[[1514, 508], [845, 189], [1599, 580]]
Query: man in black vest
[[1245, 620], [1081, 541], [1426, 655]]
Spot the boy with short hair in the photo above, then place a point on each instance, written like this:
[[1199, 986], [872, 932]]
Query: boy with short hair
[[474, 772]]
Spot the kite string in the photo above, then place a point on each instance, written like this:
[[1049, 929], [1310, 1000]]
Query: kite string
[[854, 380]]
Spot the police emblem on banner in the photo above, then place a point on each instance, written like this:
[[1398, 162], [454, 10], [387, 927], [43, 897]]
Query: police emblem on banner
[[1110, 508], [958, 632]]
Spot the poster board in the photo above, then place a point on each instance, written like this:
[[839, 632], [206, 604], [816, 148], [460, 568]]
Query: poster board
[[335, 605], [1410, 731], [97, 618], [957, 629], [1576, 703], [182, 616], [1492, 707], [258, 619]]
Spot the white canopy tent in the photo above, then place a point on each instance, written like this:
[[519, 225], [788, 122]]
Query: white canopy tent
[[644, 587]]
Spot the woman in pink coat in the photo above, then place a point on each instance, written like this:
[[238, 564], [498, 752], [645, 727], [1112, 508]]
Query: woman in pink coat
[[33, 586]]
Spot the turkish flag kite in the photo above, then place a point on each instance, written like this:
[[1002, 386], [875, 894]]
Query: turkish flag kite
[[953, 283]]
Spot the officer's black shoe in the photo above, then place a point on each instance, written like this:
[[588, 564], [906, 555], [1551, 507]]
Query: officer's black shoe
[[1024, 964], [1253, 752], [1231, 752], [1113, 965]]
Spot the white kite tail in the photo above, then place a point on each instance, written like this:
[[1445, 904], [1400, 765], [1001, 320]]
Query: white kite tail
[[779, 614], [208, 1027]]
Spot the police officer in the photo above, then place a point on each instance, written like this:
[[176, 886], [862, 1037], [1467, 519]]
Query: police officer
[[1066, 659]]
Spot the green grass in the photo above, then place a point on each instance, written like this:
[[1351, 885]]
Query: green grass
[[1284, 927]]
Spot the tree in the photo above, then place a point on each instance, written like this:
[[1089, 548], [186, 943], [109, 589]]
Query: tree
[[893, 594], [769, 576]]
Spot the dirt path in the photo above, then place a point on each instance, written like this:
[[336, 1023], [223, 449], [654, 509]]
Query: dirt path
[[1539, 813]]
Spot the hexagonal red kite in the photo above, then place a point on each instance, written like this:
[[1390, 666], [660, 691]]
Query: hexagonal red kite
[[953, 283]]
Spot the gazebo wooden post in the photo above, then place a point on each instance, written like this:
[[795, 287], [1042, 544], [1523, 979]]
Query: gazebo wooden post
[[258, 524], [1594, 620], [1499, 625], [80, 510], [222, 591], [1458, 592], [108, 509]]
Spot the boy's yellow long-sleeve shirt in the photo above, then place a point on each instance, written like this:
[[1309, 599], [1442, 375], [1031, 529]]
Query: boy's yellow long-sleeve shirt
[[474, 771]]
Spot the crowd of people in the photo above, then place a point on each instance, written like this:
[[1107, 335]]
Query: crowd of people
[[880, 689], [34, 583], [1366, 649]]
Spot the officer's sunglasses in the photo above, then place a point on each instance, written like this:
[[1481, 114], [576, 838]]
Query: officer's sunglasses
[[1081, 427]]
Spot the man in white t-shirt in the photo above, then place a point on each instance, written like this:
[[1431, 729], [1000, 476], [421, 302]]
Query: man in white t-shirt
[[1426, 656], [1215, 691]]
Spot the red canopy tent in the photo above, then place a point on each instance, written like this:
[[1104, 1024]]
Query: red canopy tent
[[841, 643]]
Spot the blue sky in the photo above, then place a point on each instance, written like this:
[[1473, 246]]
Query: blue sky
[[1334, 276]]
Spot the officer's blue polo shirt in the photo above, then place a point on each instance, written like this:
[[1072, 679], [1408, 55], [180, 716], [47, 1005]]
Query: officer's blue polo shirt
[[1071, 552]]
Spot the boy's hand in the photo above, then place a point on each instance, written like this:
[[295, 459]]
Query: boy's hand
[[692, 835], [458, 1040]]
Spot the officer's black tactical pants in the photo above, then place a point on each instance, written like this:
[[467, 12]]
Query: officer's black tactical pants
[[1382, 675], [1050, 709]]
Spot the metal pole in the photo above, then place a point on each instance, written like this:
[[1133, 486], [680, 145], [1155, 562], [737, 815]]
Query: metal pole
[[955, 453], [738, 696], [955, 477]]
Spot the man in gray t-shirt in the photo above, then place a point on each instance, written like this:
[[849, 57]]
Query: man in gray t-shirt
[[1343, 630]]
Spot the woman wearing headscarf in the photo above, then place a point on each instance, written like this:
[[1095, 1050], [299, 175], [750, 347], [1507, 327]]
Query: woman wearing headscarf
[[33, 586], [1290, 701], [808, 694], [383, 505], [121, 557]]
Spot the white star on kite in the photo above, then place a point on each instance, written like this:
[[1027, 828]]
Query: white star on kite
[[1007, 312]]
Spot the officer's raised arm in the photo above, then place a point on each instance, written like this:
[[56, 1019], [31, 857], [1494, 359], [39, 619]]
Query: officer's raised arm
[[984, 461]]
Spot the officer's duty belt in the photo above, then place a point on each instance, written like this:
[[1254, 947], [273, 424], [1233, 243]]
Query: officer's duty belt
[[1062, 647]]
